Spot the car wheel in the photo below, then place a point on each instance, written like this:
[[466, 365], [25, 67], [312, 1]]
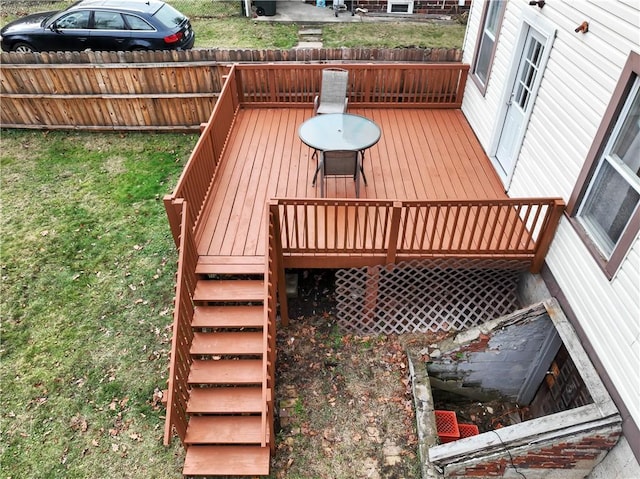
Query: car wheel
[[22, 47]]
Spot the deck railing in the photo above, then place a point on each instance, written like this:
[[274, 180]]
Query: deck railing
[[198, 175], [367, 232], [398, 85], [180, 360], [274, 286]]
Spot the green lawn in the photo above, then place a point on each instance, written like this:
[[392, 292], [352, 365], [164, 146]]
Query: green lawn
[[88, 268]]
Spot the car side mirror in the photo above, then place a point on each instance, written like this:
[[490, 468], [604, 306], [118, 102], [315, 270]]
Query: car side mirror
[[54, 27]]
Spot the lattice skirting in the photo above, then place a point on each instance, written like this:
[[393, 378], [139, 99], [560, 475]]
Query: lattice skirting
[[414, 297]]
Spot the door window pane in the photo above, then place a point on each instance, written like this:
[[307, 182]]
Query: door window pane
[[108, 21], [528, 73], [137, 23], [75, 20]]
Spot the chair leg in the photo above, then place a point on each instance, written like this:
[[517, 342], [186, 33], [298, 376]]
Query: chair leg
[[315, 176], [364, 178]]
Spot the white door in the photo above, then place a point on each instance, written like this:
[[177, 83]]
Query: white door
[[520, 102]]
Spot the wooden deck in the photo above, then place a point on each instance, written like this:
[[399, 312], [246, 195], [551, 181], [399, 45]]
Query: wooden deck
[[244, 209], [423, 154]]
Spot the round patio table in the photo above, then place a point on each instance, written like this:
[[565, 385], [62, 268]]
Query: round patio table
[[339, 131]]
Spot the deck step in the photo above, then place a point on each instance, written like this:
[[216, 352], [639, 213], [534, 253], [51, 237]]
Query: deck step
[[226, 461], [224, 430], [228, 317], [227, 343], [236, 290], [226, 371], [230, 265], [225, 400]]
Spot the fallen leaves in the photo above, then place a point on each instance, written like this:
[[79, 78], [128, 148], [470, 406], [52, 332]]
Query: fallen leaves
[[79, 424], [357, 398]]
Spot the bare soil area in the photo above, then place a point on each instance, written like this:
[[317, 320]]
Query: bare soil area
[[344, 401]]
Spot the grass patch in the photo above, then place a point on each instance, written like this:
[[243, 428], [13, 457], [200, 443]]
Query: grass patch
[[243, 33], [88, 268], [393, 35]]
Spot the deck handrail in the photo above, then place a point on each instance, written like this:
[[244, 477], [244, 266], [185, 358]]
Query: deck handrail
[[197, 178], [180, 359], [273, 282], [387, 231], [412, 85]]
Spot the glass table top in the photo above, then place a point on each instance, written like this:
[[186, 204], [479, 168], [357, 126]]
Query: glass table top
[[339, 131]]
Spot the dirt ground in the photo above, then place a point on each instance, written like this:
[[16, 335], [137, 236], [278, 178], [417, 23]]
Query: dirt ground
[[344, 401]]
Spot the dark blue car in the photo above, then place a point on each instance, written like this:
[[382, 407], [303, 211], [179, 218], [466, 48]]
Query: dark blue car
[[101, 25]]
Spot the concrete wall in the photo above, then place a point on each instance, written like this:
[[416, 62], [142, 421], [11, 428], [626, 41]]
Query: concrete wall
[[619, 464], [496, 362], [564, 445]]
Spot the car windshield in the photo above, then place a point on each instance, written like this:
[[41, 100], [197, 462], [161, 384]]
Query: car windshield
[[169, 16]]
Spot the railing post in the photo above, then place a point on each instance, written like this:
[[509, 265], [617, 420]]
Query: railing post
[[394, 232], [282, 287], [172, 208], [462, 83], [550, 227]]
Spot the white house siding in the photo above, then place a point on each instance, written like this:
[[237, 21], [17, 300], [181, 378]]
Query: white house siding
[[576, 88]]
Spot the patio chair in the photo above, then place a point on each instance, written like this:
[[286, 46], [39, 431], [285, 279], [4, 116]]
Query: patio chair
[[333, 92], [338, 163]]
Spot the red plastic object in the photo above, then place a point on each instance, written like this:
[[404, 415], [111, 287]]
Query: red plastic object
[[468, 430], [447, 426]]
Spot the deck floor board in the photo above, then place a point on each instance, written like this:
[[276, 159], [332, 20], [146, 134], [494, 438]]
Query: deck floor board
[[422, 155]]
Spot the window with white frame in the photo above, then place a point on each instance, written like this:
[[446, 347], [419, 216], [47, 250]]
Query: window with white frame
[[606, 203], [487, 40], [400, 6]]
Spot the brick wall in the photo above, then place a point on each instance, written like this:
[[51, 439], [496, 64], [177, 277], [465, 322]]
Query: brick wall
[[568, 458]]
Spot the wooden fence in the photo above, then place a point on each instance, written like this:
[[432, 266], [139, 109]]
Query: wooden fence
[[221, 55], [154, 91], [109, 97]]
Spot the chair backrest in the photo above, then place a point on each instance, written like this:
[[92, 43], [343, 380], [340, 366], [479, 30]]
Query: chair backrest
[[334, 86], [340, 163]]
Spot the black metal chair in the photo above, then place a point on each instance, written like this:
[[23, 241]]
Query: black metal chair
[[338, 163]]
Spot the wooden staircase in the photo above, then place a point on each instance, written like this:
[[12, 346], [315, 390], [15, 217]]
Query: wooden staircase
[[228, 395]]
